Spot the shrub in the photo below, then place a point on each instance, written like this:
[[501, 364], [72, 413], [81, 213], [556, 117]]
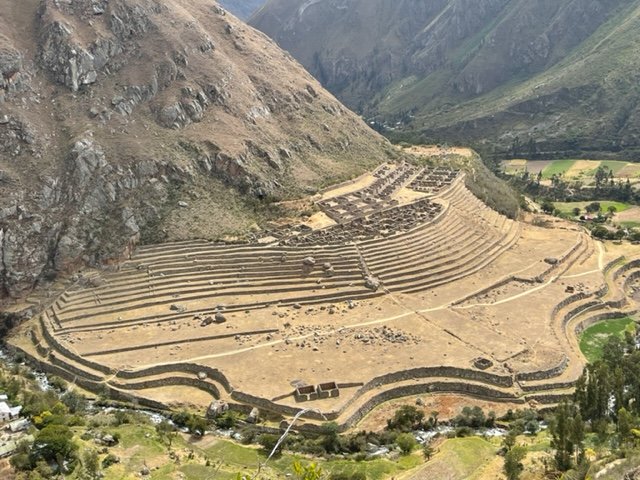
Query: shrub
[[109, 460], [406, 418], [225, 421], [348, 476], [406, 442], [600, 232], [268, 442]]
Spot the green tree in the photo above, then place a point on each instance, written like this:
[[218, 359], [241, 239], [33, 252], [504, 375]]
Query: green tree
[[268, 441], [561, 431], [624, 425], [601, 176], [54, 443], [166, 432], [513, 462], [548, 207], [406, 442], [427, 451], [406, 418], [576, 212], [576, 436], [593, 207], [90, 462], [509, 440], [330, 440], [75, 402], [197, 425], [600, 232]]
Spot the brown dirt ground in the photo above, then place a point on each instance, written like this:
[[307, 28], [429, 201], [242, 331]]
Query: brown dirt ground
[[434, 150]]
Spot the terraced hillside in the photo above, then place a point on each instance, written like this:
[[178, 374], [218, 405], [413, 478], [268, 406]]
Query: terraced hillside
[[411, 281]]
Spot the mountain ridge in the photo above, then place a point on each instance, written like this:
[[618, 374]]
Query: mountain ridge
[[461, 71]]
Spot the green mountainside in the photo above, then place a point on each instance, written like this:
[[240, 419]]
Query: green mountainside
[[510, 77]]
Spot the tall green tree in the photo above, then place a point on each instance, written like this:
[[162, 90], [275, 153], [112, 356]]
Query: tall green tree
[[513, 462], [561, 433]]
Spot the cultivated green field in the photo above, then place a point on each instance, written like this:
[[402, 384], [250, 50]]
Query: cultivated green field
[[583, 170], [593, 338], [559, 167], [460, 458], [567, 207]]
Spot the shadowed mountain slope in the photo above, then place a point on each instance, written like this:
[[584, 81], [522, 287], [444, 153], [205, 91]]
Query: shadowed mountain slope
[[508, 76]]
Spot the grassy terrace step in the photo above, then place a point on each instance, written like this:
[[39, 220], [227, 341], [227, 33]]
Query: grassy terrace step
[[422, 247], [167, 253], [169, 317], [416, 287], [436, 236], [292, 288], [204, 279], [231, 263], [427, 258], [167, 343], [418, 274]]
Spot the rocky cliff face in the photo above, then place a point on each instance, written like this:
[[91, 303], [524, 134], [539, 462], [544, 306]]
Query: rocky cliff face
[[124, 119], [457, 69]]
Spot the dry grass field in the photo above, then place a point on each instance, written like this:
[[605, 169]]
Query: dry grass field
[[400, 295]]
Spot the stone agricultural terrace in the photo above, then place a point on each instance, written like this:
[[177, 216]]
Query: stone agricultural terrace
[[412, 286]]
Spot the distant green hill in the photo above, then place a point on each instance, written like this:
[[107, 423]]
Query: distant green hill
[[549, 77]]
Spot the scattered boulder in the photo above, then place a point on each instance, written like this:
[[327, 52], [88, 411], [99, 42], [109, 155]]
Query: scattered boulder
[[220, 318], [551, 260], [253, 416], [372, 283], [309, 262], [217, 407], [175, 307]]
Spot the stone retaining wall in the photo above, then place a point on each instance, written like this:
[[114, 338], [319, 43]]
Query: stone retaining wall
[[396, 377], [163, 382], [212, 373], [624, 269], [544, 374], [53, 343]]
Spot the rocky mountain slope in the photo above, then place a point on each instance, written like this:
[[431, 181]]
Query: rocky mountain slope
[[123, 120], [509, 76], [242, 8]]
